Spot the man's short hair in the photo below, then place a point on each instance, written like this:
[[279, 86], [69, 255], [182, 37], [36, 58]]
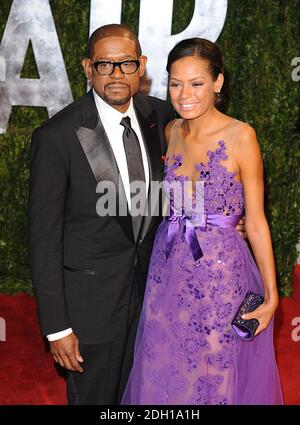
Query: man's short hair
[[112, 30]]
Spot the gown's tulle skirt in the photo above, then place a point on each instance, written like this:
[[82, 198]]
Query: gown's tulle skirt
[[186, 351]]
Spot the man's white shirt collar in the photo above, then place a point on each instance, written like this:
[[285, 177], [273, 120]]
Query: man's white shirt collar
[[110, 114]]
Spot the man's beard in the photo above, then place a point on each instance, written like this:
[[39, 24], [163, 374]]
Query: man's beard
[[116, 102]]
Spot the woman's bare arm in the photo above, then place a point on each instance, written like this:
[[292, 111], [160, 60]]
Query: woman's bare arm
[[250, 162]]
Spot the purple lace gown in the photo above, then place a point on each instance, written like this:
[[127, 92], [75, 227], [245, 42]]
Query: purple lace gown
[[186, 351]]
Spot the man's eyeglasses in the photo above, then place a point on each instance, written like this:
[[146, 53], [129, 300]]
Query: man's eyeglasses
[[107, 68]]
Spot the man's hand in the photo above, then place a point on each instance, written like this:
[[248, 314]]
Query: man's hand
[[65, 351], [241, 228]]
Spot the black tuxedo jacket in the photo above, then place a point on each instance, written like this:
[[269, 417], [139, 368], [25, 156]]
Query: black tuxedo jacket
[[82, 265]]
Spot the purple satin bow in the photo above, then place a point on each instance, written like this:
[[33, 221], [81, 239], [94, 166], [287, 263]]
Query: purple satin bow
[[190, 224]]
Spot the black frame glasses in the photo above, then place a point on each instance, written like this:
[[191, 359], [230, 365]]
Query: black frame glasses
[[122, 67]]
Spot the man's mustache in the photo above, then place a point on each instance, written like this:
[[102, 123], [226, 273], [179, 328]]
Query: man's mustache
[[116, 85]]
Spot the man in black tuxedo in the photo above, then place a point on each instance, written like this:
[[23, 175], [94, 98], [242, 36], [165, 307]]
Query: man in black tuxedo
[[89, 271]]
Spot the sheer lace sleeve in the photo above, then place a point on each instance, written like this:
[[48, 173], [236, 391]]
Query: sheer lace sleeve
[[173, 138]]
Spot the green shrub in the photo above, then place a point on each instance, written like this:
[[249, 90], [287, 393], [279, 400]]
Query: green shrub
[[259, 40]]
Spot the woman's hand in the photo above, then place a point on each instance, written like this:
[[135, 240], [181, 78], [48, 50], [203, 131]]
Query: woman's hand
[[241, 228], [263, 314]]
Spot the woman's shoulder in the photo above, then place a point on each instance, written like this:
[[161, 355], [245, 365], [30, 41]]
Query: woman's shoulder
[[245, 129], [244, 142], [242, 134]]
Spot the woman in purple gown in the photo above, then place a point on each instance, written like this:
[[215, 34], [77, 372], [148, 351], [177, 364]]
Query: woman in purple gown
[[201, 268]]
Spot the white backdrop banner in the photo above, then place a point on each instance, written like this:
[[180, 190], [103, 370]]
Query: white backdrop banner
[[32, 21]]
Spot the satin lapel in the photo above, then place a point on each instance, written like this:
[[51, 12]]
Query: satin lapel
[[95, 145], [149, 127], [99, 154]]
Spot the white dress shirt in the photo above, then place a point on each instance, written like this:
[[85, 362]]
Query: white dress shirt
[[111, 119]]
